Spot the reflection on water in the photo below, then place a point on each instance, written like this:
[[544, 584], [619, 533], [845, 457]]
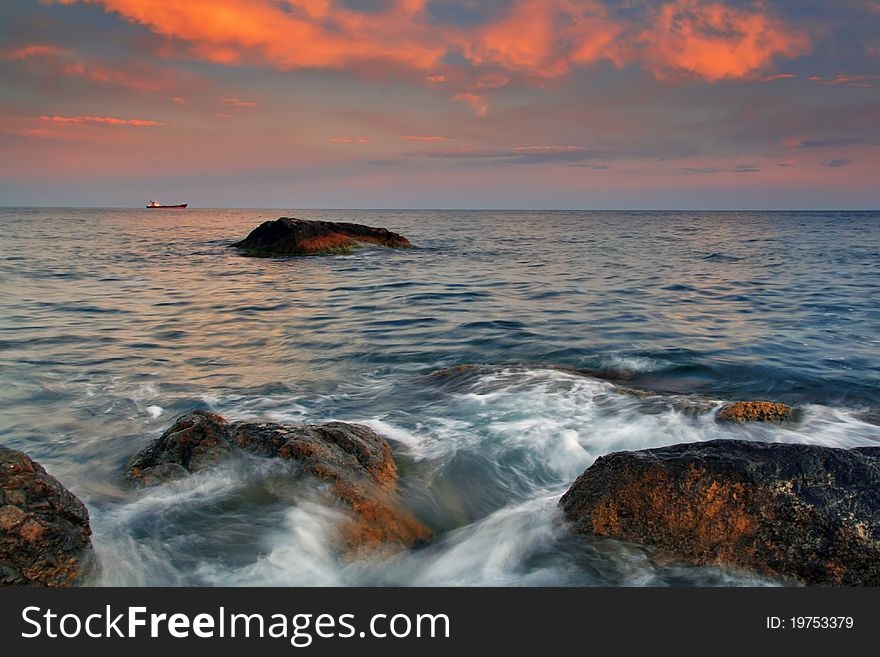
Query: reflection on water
[[115, 321]]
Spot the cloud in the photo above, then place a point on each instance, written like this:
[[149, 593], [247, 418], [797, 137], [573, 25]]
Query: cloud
[[423, 138], [848, 80], [526, 155], [33, 50], [350, 140], [739, 168], [479, 103], [826, 142], [836, 163], [102, 120], [235, 102], [714, 41], [776, 76], [65, 63], [533, 39], [25, 132]]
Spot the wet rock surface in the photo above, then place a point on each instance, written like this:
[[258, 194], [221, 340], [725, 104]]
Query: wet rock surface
[[757, 411], [353, 459], [297, 237], [44, 528], [798, 512]]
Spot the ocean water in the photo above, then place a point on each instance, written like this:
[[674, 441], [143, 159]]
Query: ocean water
[[113, 322]]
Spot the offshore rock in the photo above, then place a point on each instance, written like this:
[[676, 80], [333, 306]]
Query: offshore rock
[[798, 512], [298, 237], [353, 459], [757, 411], [44, 528]]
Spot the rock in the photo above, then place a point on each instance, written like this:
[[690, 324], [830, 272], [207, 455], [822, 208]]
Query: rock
[[297, 237], [44, 528], [801, 512], [756, 411], [355, 460]]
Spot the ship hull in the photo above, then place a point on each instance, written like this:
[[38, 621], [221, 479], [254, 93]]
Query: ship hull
[[182, 206]]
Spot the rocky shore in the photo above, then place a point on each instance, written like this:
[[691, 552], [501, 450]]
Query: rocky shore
[[298, 237], [353, 459], [44, 529], [799, 512]]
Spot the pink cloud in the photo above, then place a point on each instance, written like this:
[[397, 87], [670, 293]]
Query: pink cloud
[[423, 138], [33, 50], [549, 149], [848, 80], [102, 120], [350, 140], [479, 103], [776, 76], [235, 102]]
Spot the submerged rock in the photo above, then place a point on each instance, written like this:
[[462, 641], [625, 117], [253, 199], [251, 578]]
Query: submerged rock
[[807, 513], [44, 528], [354, 459], [298, 237], [654, 400], [757, 411]]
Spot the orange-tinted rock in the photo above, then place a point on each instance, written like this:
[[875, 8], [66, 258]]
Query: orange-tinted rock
[[756, 411], [802, 512], [297, 237], [44, 528], [355, 460]]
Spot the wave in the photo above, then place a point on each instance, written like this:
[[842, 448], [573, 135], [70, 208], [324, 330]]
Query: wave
[[484, 463], [721, 257]]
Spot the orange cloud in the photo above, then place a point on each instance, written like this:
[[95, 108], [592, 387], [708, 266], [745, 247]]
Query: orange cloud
[[713, 41], [25, 132], [479, 103], [545, 39], [68, 63], [534, 39], [286, 34], [97, 73], [34, 50], [105, 120], [423, 138], [350, 140]]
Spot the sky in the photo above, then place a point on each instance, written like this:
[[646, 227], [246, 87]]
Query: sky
[[534, 104]]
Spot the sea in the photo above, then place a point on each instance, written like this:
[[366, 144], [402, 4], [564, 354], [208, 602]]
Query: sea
[[115, 321]]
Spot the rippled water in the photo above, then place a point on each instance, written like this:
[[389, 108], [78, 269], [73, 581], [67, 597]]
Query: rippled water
[[115, 321]]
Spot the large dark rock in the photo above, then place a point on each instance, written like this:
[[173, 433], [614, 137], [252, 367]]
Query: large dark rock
[[802, 512], [354, 459], [44, 528], [297, 237]]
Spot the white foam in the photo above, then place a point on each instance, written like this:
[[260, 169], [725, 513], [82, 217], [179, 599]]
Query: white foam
[[633, 364], [538, 428], [301, 552], [154, 411]]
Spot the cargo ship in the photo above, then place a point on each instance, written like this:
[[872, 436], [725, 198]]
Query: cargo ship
[[154, 204]]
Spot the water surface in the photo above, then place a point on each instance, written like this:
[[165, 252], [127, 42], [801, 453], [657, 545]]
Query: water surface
[[112, 322]]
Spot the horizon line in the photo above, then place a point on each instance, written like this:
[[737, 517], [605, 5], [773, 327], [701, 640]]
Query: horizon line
[[440, 209]]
